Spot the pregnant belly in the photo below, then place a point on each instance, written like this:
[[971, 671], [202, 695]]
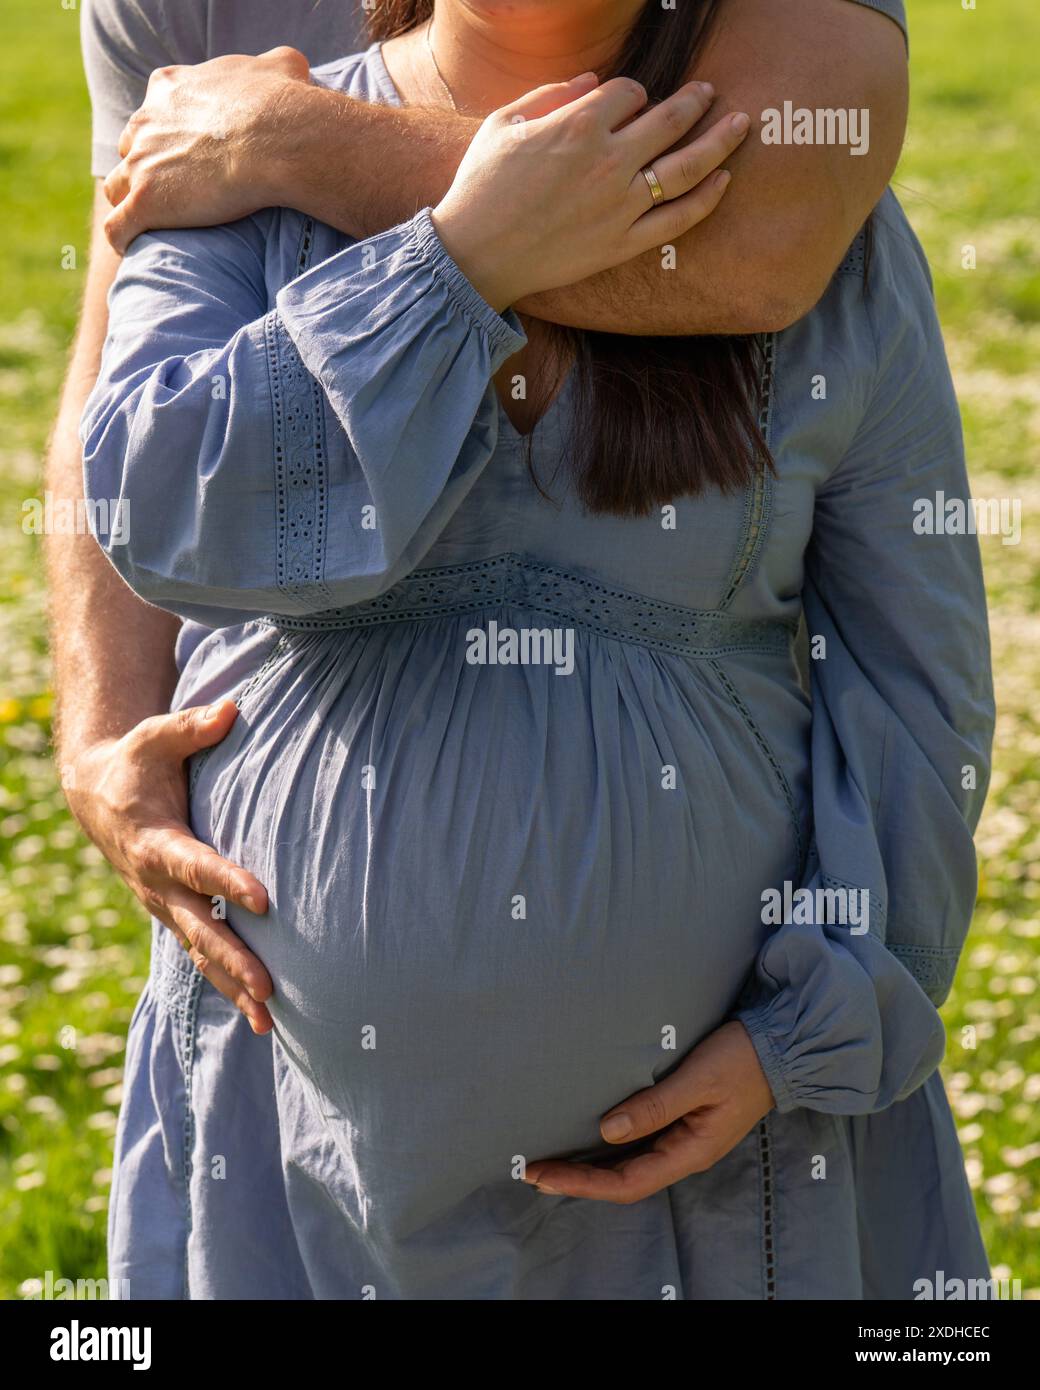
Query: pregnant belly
[[501, 899]]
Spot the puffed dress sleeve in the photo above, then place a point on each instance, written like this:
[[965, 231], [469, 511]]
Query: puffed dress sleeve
[[844, 1019], [295, 457]]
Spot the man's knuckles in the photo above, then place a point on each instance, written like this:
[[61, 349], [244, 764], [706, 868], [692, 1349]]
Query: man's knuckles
[[288, 60]]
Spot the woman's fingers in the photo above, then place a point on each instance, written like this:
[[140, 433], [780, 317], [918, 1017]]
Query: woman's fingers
[[686, 169], [648, 137], [657, 1106], [675, 1154], [691, 1146], [670, 221], [543, 101], [629, 1181], [612, 103], [715, 1097], [552, 209]]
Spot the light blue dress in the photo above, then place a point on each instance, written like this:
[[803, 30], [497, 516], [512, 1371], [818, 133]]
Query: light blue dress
[[506, 896]]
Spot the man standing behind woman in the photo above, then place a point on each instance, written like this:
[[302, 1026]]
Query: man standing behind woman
[[758, 266]]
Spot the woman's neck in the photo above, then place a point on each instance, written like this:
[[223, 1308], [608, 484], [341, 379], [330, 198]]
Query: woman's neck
[[489, 52]]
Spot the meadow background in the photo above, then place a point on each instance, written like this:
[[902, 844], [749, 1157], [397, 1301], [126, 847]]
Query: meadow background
[[74, 943]]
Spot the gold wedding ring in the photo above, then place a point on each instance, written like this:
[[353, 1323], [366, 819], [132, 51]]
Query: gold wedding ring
[[654, 185]]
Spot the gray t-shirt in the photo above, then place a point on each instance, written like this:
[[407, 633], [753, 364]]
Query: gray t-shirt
[[125, 40]]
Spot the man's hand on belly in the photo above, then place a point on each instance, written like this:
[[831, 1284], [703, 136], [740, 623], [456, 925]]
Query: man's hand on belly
[[702, 1110], [130, 796]]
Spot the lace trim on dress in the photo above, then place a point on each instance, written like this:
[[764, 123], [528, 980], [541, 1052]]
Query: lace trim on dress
[[301, 484], [931, 966], [568, 596], [758, 498]]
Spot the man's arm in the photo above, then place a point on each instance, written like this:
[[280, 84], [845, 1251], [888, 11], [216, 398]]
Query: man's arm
[[97, 622], [759, 263], [120, 751], [767, 254]]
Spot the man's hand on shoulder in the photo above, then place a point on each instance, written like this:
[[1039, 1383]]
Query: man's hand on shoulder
[[203, 149]]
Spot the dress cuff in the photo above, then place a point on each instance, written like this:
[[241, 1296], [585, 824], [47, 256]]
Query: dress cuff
[[837, 1023], [754, 1020], [398, 288], [503, 331]]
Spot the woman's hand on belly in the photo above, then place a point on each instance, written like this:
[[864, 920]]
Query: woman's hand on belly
[[699, 1112]]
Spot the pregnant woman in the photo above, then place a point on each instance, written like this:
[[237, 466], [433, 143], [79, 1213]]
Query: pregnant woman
[[523, 758]]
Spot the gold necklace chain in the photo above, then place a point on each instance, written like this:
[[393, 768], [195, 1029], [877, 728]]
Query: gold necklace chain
[[437, 66]]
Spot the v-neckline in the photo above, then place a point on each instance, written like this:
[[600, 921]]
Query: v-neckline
[[383, 81], [547, 419], [387, 88]]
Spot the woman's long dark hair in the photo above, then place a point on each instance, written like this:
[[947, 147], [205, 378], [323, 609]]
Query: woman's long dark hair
[[655, 418]]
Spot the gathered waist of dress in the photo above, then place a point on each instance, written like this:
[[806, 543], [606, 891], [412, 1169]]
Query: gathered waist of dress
[[562, 595]]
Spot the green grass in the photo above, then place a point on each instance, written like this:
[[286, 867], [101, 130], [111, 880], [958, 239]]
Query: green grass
[[73, 944]]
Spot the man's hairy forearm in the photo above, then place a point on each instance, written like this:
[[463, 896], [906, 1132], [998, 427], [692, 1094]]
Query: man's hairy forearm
[[112, 654], [759, 262], [363, 167], [403, 159]]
